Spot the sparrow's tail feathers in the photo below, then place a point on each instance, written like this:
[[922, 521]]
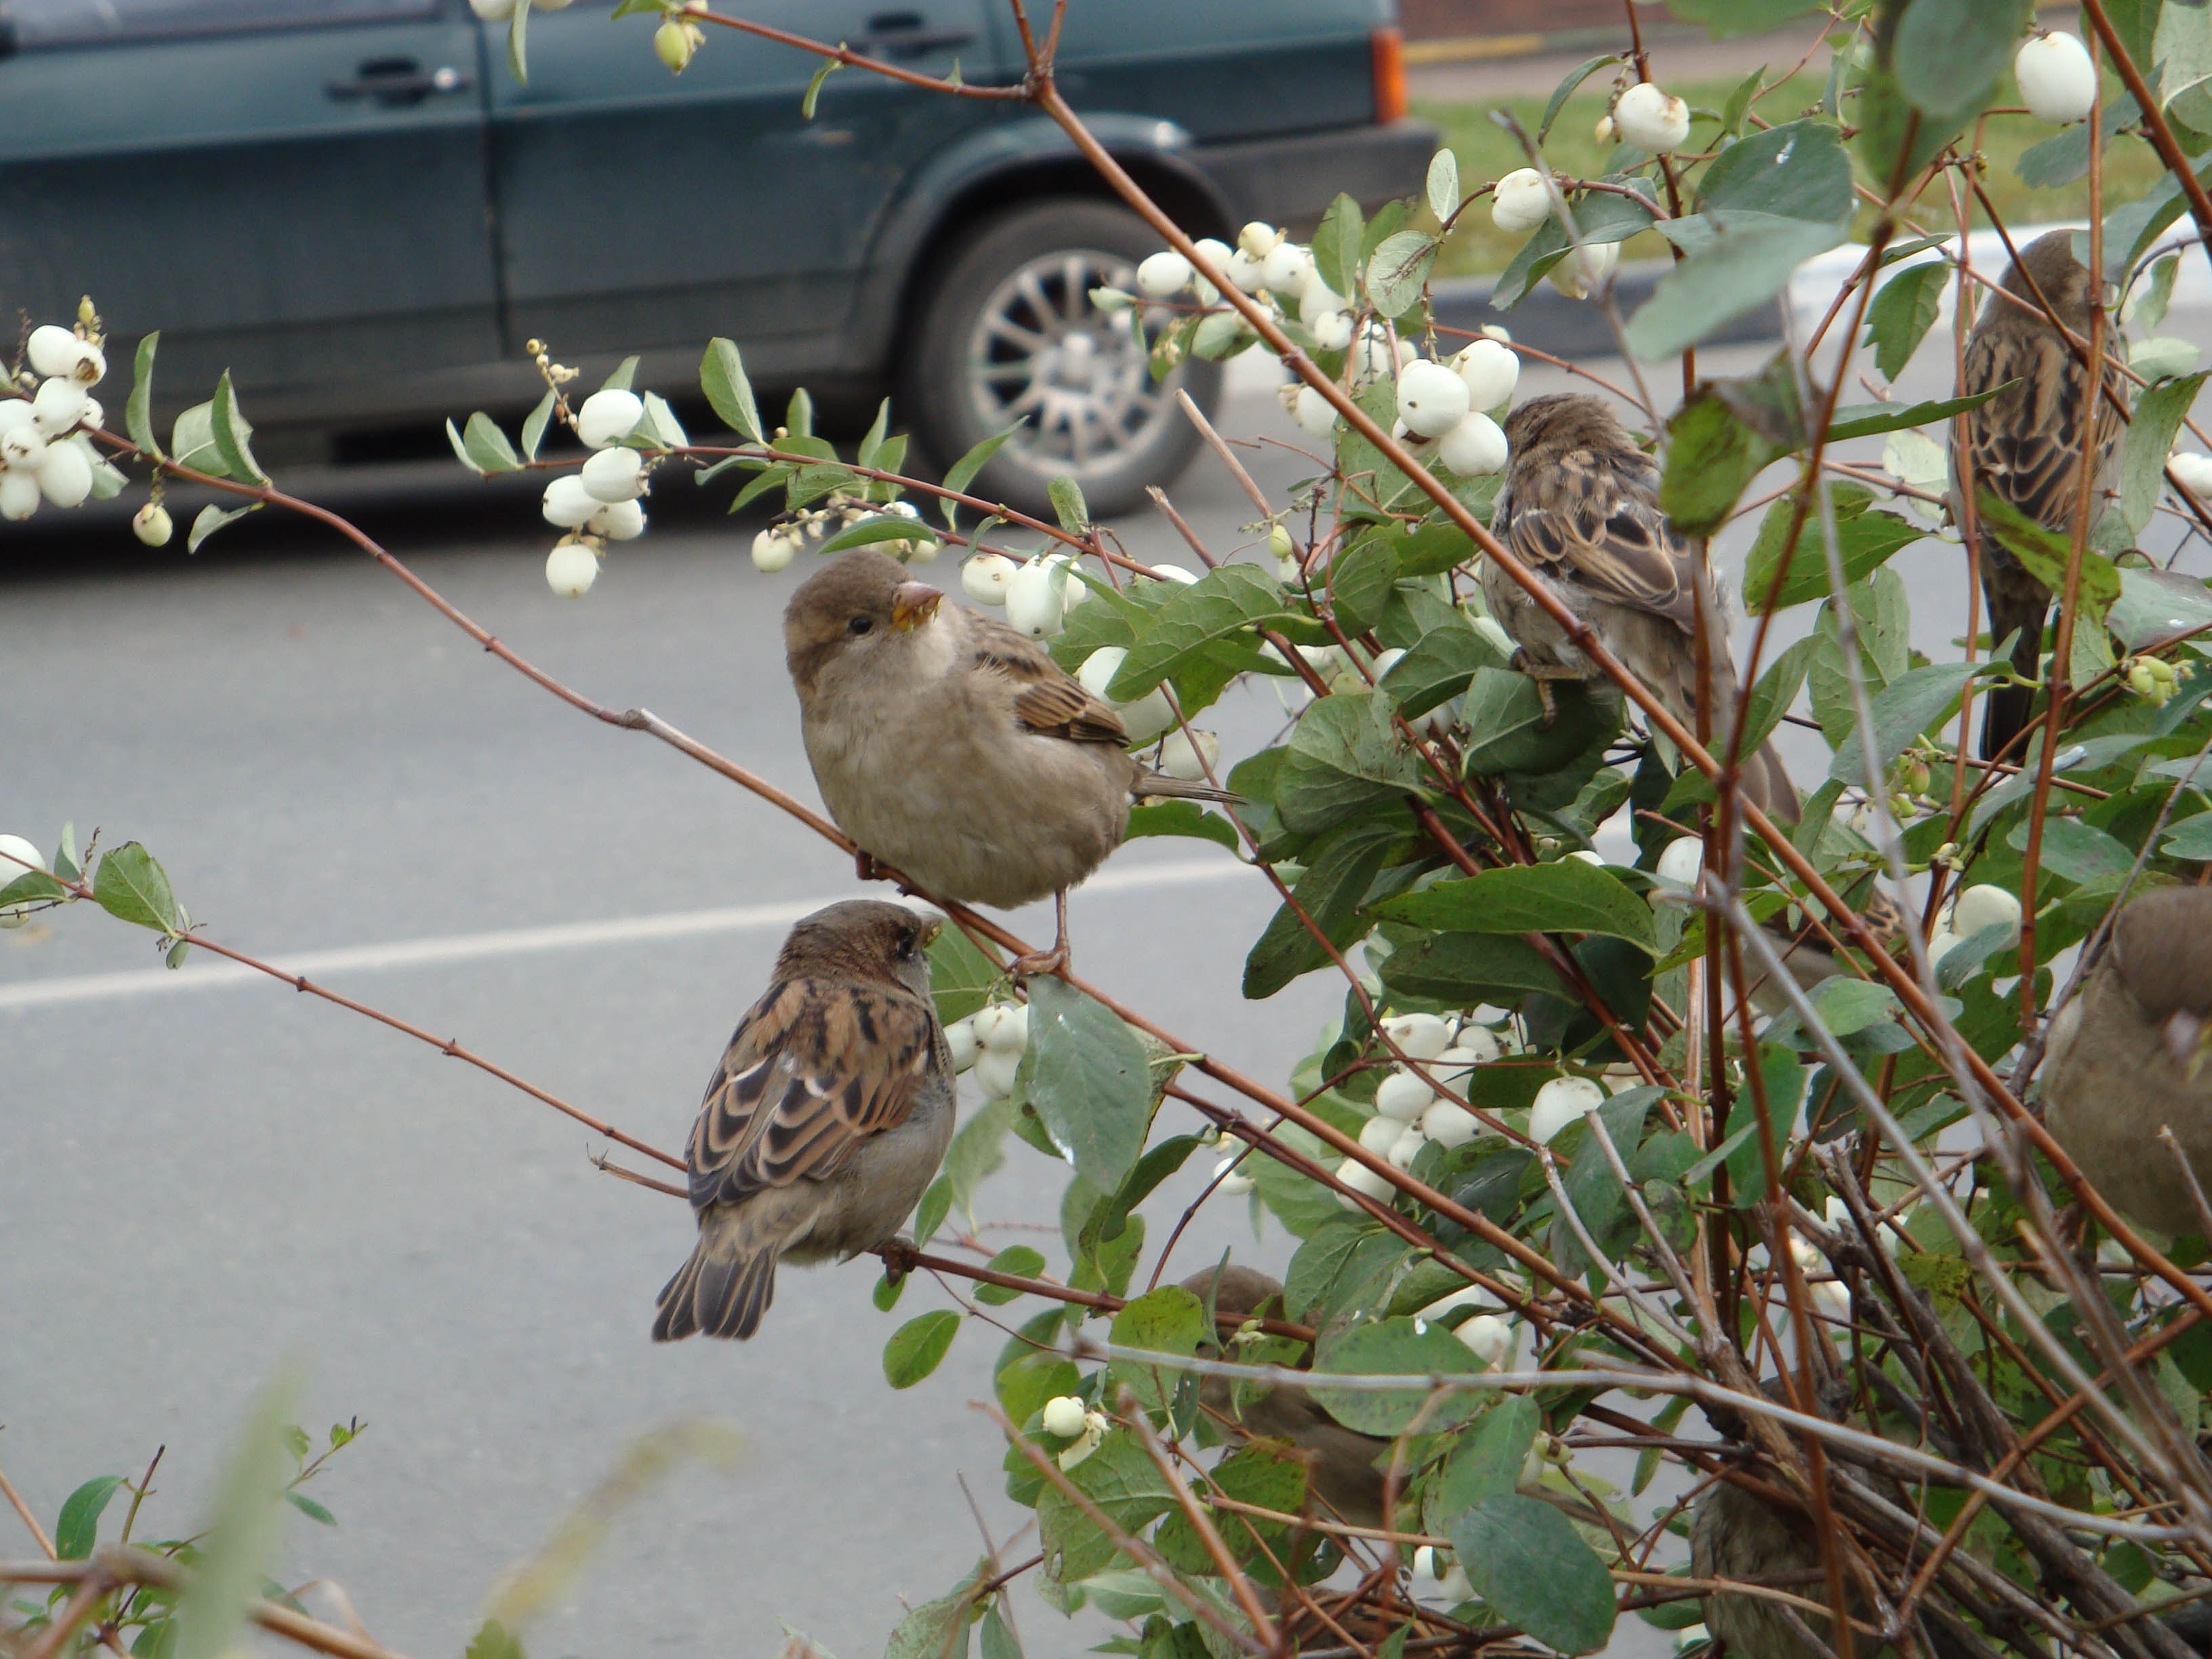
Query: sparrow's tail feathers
[[718, 1292], [1158, 785], [2005, 708]]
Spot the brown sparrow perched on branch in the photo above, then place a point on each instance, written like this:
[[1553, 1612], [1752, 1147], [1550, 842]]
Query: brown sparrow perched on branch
[[2024, 446], [1580, 508], [2128, 1059], [1341, 1465], [954, 749], [828, 1116]]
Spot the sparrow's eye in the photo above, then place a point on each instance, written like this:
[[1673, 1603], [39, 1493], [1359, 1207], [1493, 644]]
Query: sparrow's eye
[[860, 625], [906, 947]]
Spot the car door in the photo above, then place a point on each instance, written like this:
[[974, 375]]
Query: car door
[[639, 209], [292, 189]]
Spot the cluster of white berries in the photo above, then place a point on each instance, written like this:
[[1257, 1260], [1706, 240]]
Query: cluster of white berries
[[1065, 1416], [776, 547], [44, 455], [1455, 404], [18, 859], [1411, 1111], [1036, 593], [1488, 1332], [1649, 117], [1520, 201], [2057, 83], [599, 504], [989, 1043], [1434, 1566], [1971, 912]]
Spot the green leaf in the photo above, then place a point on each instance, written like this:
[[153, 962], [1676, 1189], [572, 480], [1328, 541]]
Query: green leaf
[[936, 1629], [1359, 583], [1526, 1561], [1336, 243], [517, 53], [245, 1523], [1570, 896], [191, 441], [998, 1637], [658, 427], [1903, 709], [461, 449], [210, 519], [1068, 506], [2158, 414], [1902, 312], [2045, 554], [233, 433], [916, 1347], [2063, 158], [890, 527], [1573, 78], [1344, 759], [961, 473], [1504, 711], [131, 887], [487, 446], [722, 378], [2191, 838], [1124, 1482], [1462, 969], [1720, 437], [2156, 605], [1440, 665], [1794, 171], [2075, 851], [1864, 542], [1442, 183], [78, 1528], [1085, 1074], [534, 425], [1487, 1462], [138, 409], [1949, 53], [493, 1640], [961, 976], [814, 87], [1600, 216], [1734, 270], [1225, 601], [1395, 1347], [1398, 270], [1776, 690], [1339, 868], [31, 887], [308, 1507], [1168, 1321], [1865, 420], [1182, 817], [1019, 1260]]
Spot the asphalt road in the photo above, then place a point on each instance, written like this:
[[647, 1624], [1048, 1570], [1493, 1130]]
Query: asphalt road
[[206, 1175]]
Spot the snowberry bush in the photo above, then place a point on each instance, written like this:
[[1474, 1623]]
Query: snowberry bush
[[1578, 1155]]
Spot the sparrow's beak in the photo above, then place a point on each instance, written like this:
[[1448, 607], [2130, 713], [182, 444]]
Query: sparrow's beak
[[914, 603], [931, 928], [2183, 1035]]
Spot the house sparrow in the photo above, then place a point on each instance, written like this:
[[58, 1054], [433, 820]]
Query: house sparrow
[[1343, 1469], [1580, 508], [955, 749], [827, 1117], [2128, 1059], [1736, 1535], [2025, 447]]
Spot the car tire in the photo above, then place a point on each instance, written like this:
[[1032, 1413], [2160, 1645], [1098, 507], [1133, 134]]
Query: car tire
[[1006, 331]]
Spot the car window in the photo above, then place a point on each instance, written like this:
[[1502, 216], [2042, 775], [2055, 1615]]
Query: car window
[[33, 23]]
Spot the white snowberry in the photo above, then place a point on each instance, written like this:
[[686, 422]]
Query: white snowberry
[[1035, 605], [1190, 756], [618, 521], [1229, 1176], [1287, 268], [1681, 862], [151, 525], [1407, 1147], [1403, 1096], [960, 1042], [1003, 1028], [984, 578], [995, 1073], [568, 504], [1331, 330], [607, 417], [90, 366], [1372, 356], [1652, 119], [1246, 273], [1475, 447], [1489, 1337], [1586, 269], [19, 495], [18, 857], [21, 449], [1163, 274], [774, 550], [1178, 575], [1432, 398], [1478, 1042], [1521, 201], [1215, 251], [1379, 1134], [1559, 1102], [1317, 299], [1449, 1124], [614, 475], [1144, 719], [1985, 906], [1063, 1417], [58, 407], [1359, 1178], [571, 568], [2192, 471], [16, 412], [1418, 1037], [2057, 83], [53, 350], [1258, 239], [1491, 371], [65, 476], [93, 417], [1316, 416]]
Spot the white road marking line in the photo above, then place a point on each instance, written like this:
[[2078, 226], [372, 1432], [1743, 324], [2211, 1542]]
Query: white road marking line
[[206, 973]]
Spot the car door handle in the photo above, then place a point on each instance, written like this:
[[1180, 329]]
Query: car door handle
[[400, 81], [908, 34]]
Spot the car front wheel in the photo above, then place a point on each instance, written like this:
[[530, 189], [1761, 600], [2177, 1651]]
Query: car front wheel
[[1007, 338]]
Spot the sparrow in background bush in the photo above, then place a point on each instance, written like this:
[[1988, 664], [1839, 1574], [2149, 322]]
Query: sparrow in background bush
[[828, 1116], [2128, 1059], [955, 749], [1580, 508], [2024, 446]]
